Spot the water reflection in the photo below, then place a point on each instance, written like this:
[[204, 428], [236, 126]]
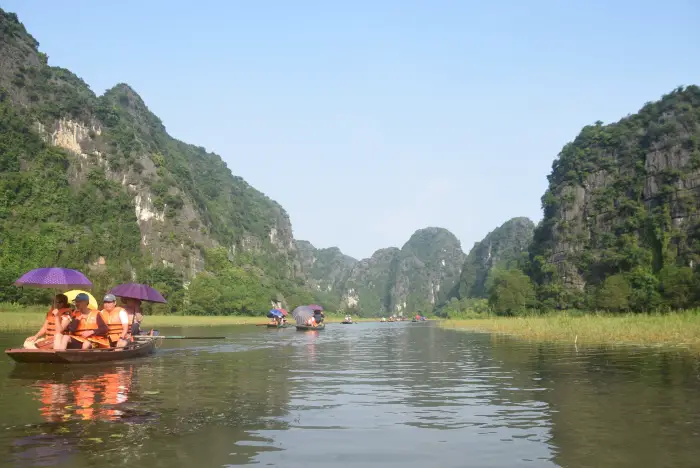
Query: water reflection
[[92, 394], [367, 395]]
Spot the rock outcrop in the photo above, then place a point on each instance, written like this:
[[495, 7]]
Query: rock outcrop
[[415, 278], [180, 198], [504, 247], [622, 198]]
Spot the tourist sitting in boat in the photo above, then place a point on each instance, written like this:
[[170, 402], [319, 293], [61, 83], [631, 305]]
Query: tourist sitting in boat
[[61, 312], [87, 328], [275, 321], [318, 316], [133, 311], [119, 334]]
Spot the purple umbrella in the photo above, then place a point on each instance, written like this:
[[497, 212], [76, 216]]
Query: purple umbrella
[[315, 307], [138, 291], [58, 278]]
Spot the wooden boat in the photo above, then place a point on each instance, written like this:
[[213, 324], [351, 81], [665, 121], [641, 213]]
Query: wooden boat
[[143, 347], [320, 326], [274, 325], [346, 323]]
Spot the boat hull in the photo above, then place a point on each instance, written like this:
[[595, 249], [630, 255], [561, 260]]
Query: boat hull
[[269, 325], [347, 323], [308, 328], [80, 356]]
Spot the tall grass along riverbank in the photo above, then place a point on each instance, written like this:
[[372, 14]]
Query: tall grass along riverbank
[[674, 329], [30, 319], [15, 317]]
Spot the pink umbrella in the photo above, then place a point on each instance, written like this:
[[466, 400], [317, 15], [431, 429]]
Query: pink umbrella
[[284, 312]]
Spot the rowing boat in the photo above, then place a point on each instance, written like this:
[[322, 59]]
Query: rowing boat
[[320, 326], [83, 356], [347, 323]]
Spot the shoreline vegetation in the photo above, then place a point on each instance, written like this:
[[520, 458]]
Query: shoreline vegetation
[[679, 329], [19, 318]]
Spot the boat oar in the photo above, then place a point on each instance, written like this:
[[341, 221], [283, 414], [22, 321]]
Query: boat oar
[[175, 337]]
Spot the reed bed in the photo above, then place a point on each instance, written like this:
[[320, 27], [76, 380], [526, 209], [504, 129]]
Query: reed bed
[[674, 329]]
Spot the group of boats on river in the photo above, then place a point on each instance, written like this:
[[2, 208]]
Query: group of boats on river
[[76, 330]]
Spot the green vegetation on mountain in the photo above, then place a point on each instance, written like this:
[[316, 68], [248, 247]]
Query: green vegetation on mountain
[[327, 269], [417, 277], [96, 183], [621, 228], [368, 288], [427, 271], [504, 247], [45, 221]]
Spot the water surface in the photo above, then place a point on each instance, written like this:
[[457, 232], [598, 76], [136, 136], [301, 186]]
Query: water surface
[[369, 394]]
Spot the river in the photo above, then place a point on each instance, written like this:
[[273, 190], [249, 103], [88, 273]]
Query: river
[[363, 395]]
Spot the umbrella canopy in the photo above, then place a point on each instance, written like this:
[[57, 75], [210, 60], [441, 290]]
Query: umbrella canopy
[[275, 313], [302, 313], [92, 304], [138, 291], [315, 307], [284, 312], [59, 278]]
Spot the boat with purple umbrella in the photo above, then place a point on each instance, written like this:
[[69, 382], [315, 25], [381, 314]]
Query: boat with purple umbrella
[[65, 278]]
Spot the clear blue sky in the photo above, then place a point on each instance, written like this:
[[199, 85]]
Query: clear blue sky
[[395, 115]]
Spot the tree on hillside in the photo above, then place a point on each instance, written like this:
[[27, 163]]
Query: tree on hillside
[[511, 292], [676, 284], [614, 294]]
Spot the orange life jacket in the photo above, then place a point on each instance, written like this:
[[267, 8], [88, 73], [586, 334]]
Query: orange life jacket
[[47, 341], [114, 323], [51, 321], [89, 322]]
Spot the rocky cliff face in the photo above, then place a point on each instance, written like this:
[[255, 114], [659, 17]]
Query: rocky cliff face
[[182, 199], [325, 270], [503, 247], [368, 288], [415, 278], [427, 271], [622, 198]]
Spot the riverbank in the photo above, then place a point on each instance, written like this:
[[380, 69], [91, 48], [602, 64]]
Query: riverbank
[[676, 329], [30, 318]]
